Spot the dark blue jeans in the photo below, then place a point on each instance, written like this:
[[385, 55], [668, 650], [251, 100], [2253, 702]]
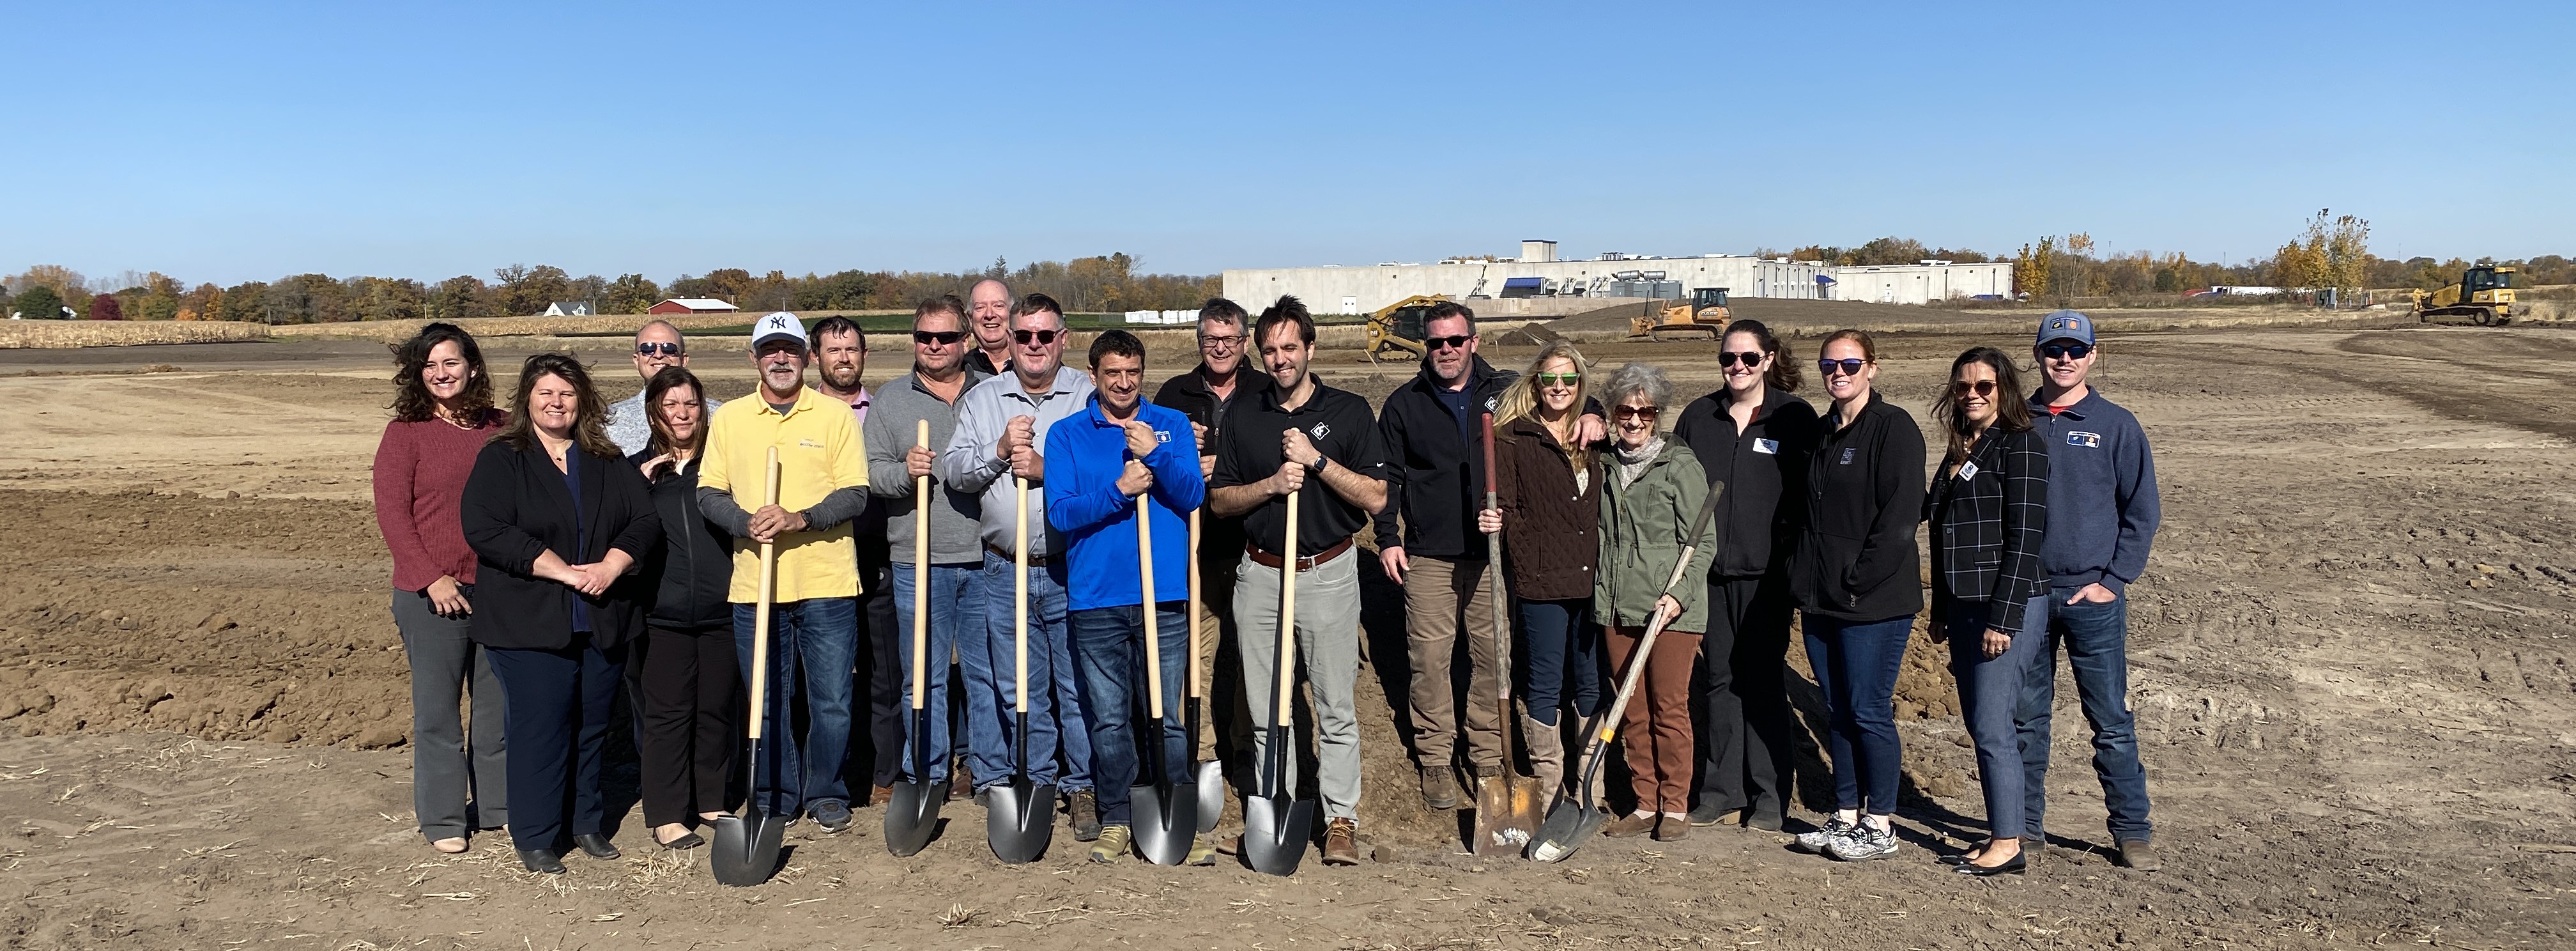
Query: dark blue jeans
[[1561, 648], [1990, 700], [1855, 665], [1059, 745], [821, 636], [1109, 666], [2096, 640], [557, 724], [956, 602]]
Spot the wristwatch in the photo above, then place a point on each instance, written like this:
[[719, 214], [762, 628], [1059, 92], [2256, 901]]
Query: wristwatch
[[1316, 467]]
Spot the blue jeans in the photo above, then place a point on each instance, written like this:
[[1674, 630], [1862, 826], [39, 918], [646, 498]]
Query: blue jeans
[[1055, 715], [1563, 651], [820, 635], [2096, 639], [955, 599], [1109, 665], [558, 719], [1989, 700], [1855, 665]]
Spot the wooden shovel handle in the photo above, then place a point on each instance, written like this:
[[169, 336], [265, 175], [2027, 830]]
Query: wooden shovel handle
[[921, 576], [1195, 607], [761, 606], [1020, 587], [1288, 613], [1153, 639]]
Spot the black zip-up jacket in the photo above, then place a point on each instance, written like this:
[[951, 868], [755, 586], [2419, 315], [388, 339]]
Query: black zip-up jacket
[[1856, 559], [693, 570], [1762, 467], [1988, 517], [1435, 479]]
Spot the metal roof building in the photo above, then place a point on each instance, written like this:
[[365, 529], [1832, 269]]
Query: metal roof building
[[1537, 273]]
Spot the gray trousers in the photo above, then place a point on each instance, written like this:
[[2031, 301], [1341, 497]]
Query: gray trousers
[[445, 769], [1328, 641]]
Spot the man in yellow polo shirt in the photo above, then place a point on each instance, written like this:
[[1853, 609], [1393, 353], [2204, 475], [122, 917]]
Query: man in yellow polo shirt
[[822, 485]]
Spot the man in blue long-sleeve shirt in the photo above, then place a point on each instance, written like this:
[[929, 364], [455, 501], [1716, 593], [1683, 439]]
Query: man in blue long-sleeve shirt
[[2102, 515], [1109, 460]]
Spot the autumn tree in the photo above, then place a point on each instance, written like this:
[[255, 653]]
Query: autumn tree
[[631, 294], [105, 307], [2030, 271]]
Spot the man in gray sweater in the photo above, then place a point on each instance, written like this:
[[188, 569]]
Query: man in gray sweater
[[2102, 515], [955, 593]]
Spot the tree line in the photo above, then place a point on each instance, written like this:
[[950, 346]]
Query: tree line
[[1106, 283]]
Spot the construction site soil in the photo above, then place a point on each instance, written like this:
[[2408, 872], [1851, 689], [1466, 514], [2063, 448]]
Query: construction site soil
[[2350, 664]]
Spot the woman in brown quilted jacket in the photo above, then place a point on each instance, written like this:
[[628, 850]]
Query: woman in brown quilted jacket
[[1550, 517]]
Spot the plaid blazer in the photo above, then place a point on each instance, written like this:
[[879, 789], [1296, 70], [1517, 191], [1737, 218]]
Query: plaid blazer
[[1987, 525]]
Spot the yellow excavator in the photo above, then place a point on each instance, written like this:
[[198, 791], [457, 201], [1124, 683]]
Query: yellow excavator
[[2483, 296], [1397, 327], [1704, 318]]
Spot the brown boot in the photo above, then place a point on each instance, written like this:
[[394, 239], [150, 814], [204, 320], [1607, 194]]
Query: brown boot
[[1671, 828], [1546, 754], [1439, 787], [1342, 842], [1630, 826]]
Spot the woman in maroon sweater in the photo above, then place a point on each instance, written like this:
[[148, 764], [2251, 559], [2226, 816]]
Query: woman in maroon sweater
[[442, 417]]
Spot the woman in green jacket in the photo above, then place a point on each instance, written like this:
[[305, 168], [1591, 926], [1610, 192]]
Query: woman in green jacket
[[1651, 490]]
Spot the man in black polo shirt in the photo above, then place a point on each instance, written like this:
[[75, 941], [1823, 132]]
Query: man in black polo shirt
[[1204, 394], [1321, 443]]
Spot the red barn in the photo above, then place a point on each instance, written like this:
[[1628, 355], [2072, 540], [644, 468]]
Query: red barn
[[692, 305]]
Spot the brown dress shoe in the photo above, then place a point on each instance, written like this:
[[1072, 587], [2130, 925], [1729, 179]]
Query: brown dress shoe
[[880, 795], [1629, 826], [1342, 842], [1672, 828]]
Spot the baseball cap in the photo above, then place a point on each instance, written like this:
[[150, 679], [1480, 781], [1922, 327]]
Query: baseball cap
[[2066, 325], [784, 324]]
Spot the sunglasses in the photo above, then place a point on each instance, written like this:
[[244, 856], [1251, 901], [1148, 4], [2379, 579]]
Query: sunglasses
[[1041, 337], [2066, 351], [1980, 387], [1558, 379], [657, 349], [1753, 359], [1849, 367], [937, 338], [1445, 343], [1636, 412]]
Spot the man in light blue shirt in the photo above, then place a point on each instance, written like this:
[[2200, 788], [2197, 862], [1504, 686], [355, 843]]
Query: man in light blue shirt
[[1001, 435], [657, 345]]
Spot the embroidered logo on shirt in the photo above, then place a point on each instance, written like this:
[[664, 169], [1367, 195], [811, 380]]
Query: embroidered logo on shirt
[[2078, 437], [1321, 430], [809, 444], [1849, 452], [1162, 436], [1768, 447]]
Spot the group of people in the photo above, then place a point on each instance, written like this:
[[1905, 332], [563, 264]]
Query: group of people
[[546, 555]]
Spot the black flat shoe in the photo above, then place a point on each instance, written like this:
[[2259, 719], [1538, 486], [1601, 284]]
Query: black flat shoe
[[687, 840], [597, 846], [1962, 858], [2016, 865], [541, 861]]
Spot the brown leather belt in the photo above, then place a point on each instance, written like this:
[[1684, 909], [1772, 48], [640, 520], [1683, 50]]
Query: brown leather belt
[[1268, 560], [1034, 561]]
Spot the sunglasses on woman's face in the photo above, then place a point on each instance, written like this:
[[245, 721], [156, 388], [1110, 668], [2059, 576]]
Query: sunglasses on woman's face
[[1848, 367], [940, 338], [1559, 379], [2066, 351], [1043, 338], [1980, 387], [1637, 412], [1753, 359]]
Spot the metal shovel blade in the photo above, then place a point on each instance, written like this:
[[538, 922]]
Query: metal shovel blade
[[1569, 823], [746, 849], [912, 814], [1275, 832], [1019, 819], [1508, 808], [1166, 821], [1207, 779]]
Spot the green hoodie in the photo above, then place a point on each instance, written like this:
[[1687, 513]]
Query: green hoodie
[[1641, 535]]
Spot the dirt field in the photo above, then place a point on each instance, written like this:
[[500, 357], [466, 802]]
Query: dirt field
[[2350, 659]]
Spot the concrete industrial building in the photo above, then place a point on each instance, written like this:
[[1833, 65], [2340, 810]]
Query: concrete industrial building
[[1537, 273]]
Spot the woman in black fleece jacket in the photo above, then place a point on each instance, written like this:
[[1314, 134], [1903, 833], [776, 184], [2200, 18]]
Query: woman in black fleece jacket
[[1856, 577]]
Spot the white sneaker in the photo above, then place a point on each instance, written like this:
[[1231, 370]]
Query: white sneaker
[[1864, 842], [1819, 840]]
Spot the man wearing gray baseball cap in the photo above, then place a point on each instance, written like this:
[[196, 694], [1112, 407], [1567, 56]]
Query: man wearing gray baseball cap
[[2102, 515]]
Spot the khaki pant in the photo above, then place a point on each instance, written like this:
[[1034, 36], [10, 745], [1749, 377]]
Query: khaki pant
[[1328, 643], [1225, 730], [1438, 593]]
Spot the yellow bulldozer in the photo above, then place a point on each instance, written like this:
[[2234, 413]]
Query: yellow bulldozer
[[1704, 318], [1397, 327], [2482, 296]]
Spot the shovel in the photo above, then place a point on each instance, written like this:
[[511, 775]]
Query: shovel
[[746, 849], [1019, 816], [912, 813], [1206, 776], [1507, 807], [1276, 824], [1166, 815], [1578, 817]]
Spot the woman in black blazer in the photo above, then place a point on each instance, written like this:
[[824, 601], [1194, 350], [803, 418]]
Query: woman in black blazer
[[1989, 511], [684, 669], [556, 518]]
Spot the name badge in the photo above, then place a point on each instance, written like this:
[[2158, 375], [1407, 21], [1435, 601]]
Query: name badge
[[1768, 447], [1967, 471]]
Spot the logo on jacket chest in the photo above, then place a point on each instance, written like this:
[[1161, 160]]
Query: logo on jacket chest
[[1849, 453], [2078, 437]]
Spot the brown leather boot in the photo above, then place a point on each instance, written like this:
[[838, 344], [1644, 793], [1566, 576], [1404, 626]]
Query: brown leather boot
[[1342, 842], [1439, 787]]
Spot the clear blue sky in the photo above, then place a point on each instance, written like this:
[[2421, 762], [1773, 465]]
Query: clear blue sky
[[232, 142]]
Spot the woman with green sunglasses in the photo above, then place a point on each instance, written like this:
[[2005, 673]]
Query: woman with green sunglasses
[[1550, 498]]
